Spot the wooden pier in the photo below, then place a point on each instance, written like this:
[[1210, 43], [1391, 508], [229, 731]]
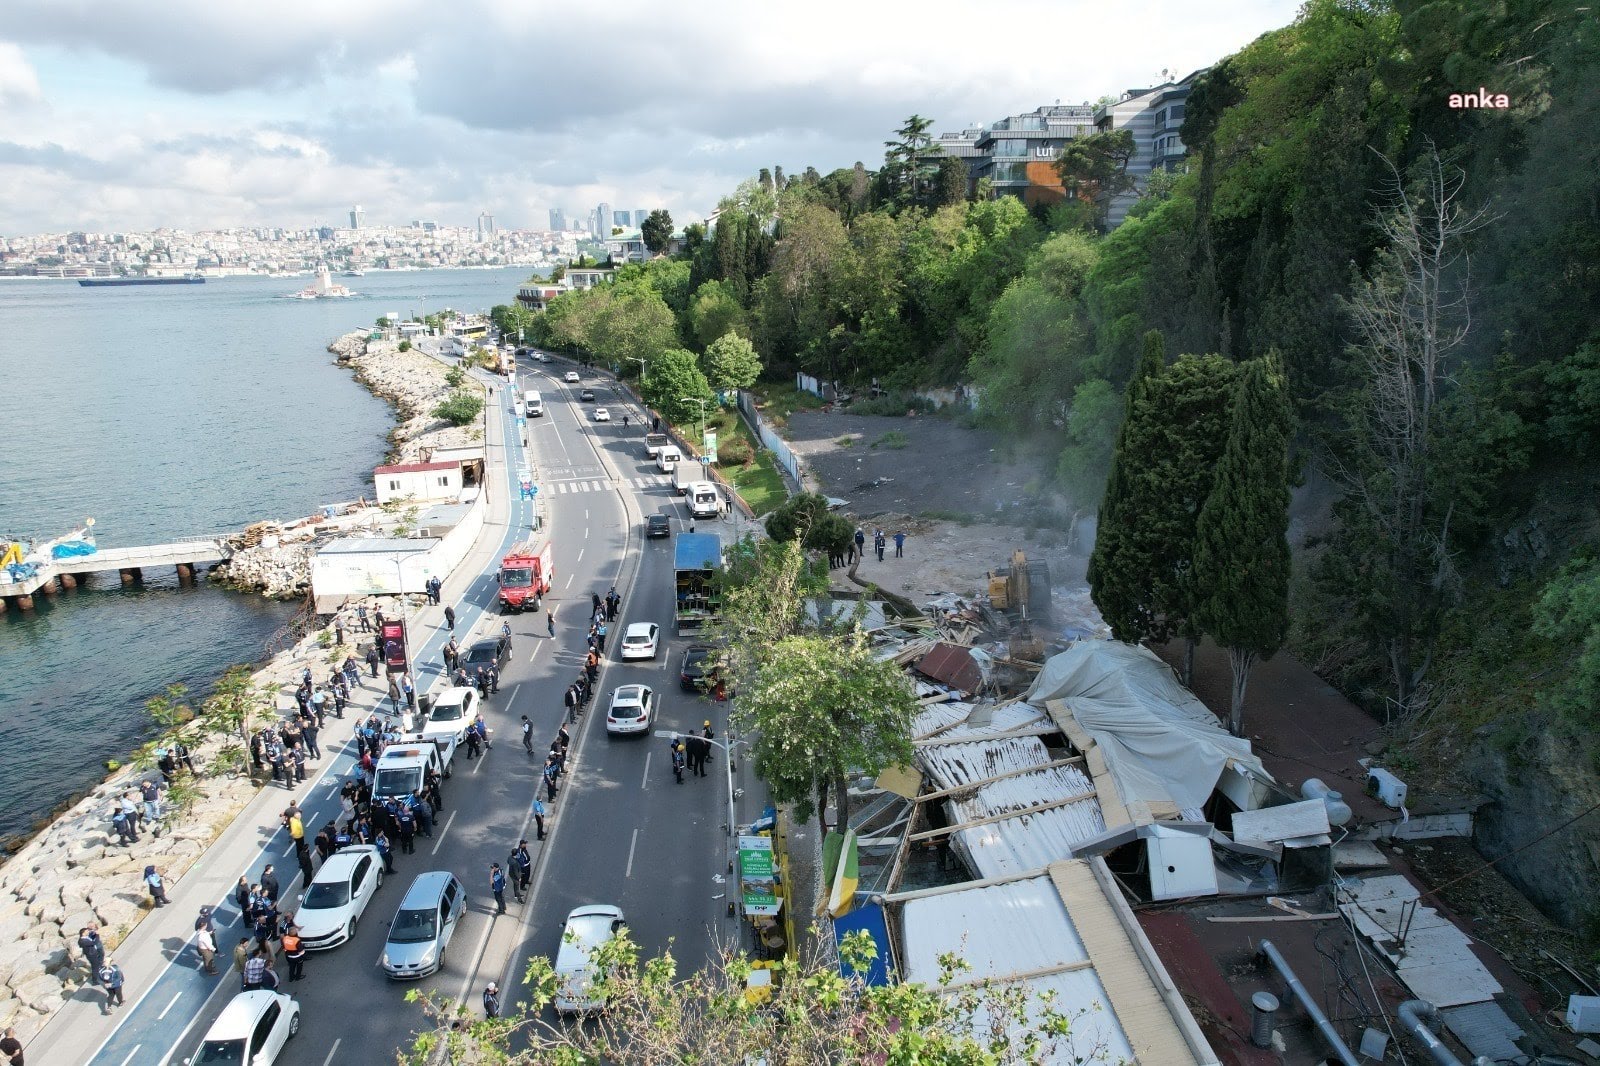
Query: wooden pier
[[48, 576]]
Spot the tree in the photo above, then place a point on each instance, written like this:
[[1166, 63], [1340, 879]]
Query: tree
[[657, 230], [731, 362], [232, 710], [675, 374], [910, 166], [1096, 167], [1092, 423], [714, 312], [634, 324], [460, 408], [821, 1010], [1568, 613], [822, 708], [1241, 553], [796, 517], [1391, 552]]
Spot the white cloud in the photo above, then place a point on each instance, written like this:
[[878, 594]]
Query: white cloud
[[287, 113]]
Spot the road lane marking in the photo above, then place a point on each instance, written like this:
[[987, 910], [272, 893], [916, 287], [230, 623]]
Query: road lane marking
[[332, 1051], [164, 1010], [580, 555], [646, 782], [512, 702], [447, 823], [634, 843], [131, 1054], [568, 585]]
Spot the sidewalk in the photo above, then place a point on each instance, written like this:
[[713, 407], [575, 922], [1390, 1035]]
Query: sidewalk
[[157, 956]]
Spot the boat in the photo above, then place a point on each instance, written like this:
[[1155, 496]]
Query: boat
[[321, 289], [355, 274], [104, 283]]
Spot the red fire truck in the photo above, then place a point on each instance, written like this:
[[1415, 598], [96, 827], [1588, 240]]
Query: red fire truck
[[525, 575]]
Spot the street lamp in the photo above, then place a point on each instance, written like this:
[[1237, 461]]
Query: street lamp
[[727, 747], [702, 404]]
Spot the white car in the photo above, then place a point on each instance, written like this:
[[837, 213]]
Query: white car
[[633, 708], [338, 896], [602, 415], [250, 1031], [453, 711], [543, 357], [587, 928], [572, 376], [639, 641]]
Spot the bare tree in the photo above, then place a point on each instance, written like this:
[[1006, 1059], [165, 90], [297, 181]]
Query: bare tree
[[1411, 316]]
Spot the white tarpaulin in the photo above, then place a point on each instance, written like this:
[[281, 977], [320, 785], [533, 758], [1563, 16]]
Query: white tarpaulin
[[1159, 741]]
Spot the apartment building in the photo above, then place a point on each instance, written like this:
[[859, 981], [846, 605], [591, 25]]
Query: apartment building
[[1154, 116]]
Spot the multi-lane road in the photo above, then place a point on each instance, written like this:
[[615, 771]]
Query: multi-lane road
[[622, 830]]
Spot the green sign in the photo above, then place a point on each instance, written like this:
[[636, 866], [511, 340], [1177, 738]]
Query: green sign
[[755, 859]]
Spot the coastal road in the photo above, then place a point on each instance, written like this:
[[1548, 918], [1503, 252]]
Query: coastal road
[[622, 831]]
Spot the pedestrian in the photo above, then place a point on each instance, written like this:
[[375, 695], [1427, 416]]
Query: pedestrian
[[527, 731], [596, 607], [538, 815], [600, 638], [878, 543], [899, 544], [861, 542], [492, 671], [497, 885], [168, 766], [571, 700], [298, 757], [124, 828], [557, 756], [294, 952], [521, 865], [385, 850], [302, 854], [269, 884], [677, 760], [699, 748], [450, 617], [158, 888], [480, 681], [111, 977], [473, 747], [550, 622], [338, 632], [406, 823], [150, 792], [255, 971], [409, 689], [372, 660], [309, 731], [549, 781], [205, 943], [11, 1047], [93, 948], [394, 695], [377, 619], [451, 653], [491, 1000], [241, 954], [362, 622], [564, 739]]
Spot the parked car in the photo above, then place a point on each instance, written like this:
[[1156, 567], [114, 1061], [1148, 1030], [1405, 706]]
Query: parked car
[[486, 651], [586, 395], [657, 525], [633, 708], [250, 1031], [587, 929], [699, 670], [571, 375], [453, 710], [338, 896], [422, 927], [639, 640], [602, 415]]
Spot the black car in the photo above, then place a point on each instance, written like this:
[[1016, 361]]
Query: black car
[[484, 652], [699, 670], [586, 394], [658, 525]]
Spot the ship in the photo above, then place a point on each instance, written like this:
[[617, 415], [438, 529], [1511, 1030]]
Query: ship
[[100, 283], [322, 289]]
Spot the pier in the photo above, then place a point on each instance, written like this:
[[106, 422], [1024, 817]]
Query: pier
[[38, 572]]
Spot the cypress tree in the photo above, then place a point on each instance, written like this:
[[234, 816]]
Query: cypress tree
[[1241, 556]]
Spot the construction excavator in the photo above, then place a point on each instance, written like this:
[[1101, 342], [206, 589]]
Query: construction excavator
[[1022, 589]]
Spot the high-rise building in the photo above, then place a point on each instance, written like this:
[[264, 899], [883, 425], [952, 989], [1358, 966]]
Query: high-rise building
[[558, 219], [623, 219], [603, 221], [357, 217], [485, 225], [1155, 118], [592, 225], [639, 215]]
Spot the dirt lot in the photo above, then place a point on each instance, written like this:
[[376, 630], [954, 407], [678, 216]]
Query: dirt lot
[[933, 488]]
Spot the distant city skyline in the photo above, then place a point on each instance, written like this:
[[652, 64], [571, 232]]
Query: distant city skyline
[[209, 116]]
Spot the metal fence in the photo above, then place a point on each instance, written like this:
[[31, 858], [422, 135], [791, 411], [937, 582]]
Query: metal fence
[[770, 439]]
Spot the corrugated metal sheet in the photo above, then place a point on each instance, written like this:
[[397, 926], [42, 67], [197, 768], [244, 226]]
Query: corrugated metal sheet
[[1436, 962], [937, 716], [1486, 1029], [953, 665]]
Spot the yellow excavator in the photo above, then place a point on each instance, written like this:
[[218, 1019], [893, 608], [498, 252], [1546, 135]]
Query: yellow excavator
[[1022, 588]]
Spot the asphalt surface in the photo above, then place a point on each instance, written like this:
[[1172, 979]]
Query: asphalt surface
[[621, 831]]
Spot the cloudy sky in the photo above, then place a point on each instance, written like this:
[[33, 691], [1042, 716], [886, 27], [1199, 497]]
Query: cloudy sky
[[126, 114]]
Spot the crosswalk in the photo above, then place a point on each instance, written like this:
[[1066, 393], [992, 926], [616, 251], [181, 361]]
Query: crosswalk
[[606, 484]]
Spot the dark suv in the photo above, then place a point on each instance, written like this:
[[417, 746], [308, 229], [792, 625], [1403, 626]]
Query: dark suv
[[484, 652], [658, 525], [699, 670]]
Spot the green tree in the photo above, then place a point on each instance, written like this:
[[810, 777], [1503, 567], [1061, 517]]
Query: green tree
[[822, 708], [460, 408], [233, 708], [910, 173], [1092, 423], [796, 517], [1568, 613], [657, 230], [634, 324], [1241, 553], [1095, 167], [714, 312], [675, 374], [731, 362]]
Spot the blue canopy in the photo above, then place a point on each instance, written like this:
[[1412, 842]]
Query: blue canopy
[[698, 551]]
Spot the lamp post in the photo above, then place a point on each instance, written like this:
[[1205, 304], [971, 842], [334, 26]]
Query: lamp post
[[702, 404], [728, 747]]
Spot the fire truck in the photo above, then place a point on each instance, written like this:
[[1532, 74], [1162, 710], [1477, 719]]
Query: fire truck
[[525, 575]]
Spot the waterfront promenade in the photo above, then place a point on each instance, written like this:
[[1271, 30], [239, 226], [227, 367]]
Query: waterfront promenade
[[165, 991]]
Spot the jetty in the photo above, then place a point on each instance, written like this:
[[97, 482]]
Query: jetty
[[40, 569]]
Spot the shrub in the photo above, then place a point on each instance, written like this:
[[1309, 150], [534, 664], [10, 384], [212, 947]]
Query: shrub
[[460, 408], [892, 404], [892, 439], [405, 346]]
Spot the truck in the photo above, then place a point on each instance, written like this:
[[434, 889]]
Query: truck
[[696, 578], [684, 475], [525, 575], [704, 500], [402, 769], [653, 443]]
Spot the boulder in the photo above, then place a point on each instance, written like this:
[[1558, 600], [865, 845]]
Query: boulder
[[42, 993]]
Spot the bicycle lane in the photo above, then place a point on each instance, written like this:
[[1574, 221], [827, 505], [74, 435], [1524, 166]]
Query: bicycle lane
[[148, 1030]]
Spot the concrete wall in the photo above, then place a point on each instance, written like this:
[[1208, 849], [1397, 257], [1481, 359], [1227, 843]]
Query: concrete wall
[[418, 485]]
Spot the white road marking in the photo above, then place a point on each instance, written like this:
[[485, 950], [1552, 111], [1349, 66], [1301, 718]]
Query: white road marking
[[568, 585], [131, 1054], [646, 782], [580, 555], [634, 843], [447, 823], [168, 1007], [332, 1051]]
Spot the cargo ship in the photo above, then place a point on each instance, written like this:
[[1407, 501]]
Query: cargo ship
[[96, 283]]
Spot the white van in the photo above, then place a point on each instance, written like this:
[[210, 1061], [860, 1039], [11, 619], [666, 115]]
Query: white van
[[704, 500], [667, 458], [532, 403], [587, 928]]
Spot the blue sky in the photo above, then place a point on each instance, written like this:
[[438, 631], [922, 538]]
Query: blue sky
[[120, 114]]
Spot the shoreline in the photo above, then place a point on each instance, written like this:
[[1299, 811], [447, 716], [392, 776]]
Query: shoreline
[[66, 872]]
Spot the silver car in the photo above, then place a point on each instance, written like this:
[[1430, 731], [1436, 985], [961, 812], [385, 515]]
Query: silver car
[[422, 927]]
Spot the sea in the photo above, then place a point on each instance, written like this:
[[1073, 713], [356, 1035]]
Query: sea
[[163, 412]]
